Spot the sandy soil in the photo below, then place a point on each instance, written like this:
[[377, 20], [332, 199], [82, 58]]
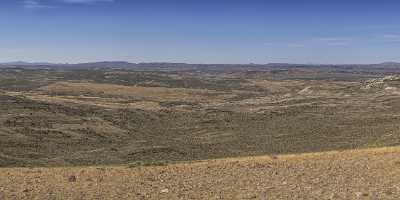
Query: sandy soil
[[356, 174]]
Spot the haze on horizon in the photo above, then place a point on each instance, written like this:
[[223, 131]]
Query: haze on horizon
[[308, 31]]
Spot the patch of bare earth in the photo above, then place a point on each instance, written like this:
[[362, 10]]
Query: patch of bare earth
[[138, 92], [119, 96], [355, 174]]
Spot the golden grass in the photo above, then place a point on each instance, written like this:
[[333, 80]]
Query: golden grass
[[275, 86], [115, 96], [354, 174], [148, 93]]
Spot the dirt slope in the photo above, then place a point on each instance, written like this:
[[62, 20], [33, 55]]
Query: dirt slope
[[356, 174]]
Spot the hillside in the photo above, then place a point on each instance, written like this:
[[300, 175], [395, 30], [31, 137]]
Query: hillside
[[354, 174], [90, 117], [199, 134]]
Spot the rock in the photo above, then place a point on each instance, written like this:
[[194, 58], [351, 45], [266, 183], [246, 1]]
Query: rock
[[164, 191], [390, 88], [391, 78], [380, 82], [358, 194], [305, 91]]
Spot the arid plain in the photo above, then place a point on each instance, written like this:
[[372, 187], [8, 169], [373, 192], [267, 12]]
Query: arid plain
[[208, 132]]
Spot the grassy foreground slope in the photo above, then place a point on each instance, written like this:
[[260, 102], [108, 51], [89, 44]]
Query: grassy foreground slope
[[354, 174]]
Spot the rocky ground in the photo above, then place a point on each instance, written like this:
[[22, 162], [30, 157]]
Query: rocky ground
[[354, 174]]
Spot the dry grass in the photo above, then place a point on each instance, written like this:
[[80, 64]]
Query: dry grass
[[137, 92], [114, 103], [278, 87], [80, 122], [355, 174], [119, 96]]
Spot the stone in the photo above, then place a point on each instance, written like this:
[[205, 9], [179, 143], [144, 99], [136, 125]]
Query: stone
[[164, 191]]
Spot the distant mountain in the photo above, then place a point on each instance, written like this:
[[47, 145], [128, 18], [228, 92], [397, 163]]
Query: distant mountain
[[22, 63], [89, 65], [103, 64], [390, 64], [392, 67]]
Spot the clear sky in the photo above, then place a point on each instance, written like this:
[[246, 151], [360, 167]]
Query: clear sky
[[200, 31]]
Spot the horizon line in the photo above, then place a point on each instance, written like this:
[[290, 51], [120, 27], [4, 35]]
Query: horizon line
[[188, 63]]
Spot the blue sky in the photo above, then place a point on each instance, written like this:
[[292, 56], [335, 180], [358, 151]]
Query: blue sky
[[207, 31]]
